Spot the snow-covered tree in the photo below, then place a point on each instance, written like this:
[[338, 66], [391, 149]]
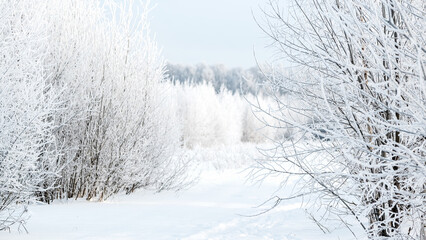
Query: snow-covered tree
[[363, 86], [235, 79]]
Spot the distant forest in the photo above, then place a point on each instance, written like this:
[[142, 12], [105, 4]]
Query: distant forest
[[233, 79]]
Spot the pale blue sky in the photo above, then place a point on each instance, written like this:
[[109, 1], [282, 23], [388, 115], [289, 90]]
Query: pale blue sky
[[209, 31]]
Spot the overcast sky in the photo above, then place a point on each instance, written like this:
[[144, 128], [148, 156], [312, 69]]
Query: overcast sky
[[208, 31]]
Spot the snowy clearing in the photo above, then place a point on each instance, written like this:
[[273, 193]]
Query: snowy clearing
[[217, 207]]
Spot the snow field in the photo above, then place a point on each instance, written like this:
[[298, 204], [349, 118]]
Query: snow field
[[220, 205]]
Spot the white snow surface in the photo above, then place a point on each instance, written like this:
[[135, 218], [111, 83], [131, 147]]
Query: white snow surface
[[220, 205]]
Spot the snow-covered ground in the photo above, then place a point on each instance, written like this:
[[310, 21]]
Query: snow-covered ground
[[217, 207]]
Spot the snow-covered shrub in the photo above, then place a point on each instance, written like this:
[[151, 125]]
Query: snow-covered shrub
[[114, 134], [254, 129], [230, 117], [83, 112], [208, 118], [27, 108], [200, 109]]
